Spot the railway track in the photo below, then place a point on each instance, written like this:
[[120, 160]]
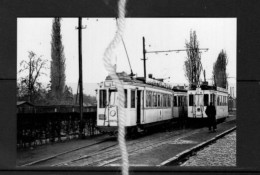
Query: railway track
[[111, 155], [106, 151], [73, 151]]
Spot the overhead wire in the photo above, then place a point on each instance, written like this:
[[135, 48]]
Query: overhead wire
[[131, 70]]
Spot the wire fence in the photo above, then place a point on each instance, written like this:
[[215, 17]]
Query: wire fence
[[43, 125]]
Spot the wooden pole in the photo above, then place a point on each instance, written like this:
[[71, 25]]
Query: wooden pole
[[144, 52], [80, 78]]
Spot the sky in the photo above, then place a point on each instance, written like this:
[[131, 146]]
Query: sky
[[34, 34]]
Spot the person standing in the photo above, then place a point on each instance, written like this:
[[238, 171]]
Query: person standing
[[211, 113]]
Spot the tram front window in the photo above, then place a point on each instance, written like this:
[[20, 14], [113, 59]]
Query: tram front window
[[102, 98], [199, 100], [206, 99], [112, 97], [191, 100]]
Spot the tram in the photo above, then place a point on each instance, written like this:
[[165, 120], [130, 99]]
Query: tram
[[200, 97], [147, 104]]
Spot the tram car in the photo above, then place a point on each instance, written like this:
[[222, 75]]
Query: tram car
[[200, 97], [147, 104], [180, 103]]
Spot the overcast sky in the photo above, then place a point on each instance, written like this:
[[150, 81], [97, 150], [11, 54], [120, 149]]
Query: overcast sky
[[34, 34]]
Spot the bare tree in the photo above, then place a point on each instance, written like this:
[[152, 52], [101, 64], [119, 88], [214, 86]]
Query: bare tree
[[57, 75], [29, 85], [192, 65], [219, 70]]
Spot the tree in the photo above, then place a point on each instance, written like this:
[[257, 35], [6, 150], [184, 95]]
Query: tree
[[87, 99], [192, 66], [57, 74], [28, 87], [68, 96], [219, 70]]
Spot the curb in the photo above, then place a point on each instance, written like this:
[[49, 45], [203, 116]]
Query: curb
[[195, 148]]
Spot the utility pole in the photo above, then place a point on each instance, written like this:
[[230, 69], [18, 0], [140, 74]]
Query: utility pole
[[204, 75], [144, 52], [80, 78]]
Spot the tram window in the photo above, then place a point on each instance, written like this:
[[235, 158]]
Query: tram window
[[185, 100], [159, 100], [175, 101], [218, 100], [179, 101], [132, 98], [125, 98], [154, 99], [147, 98], [162, 100], [169, 101], [102, 98], [112, 97], [151, 99], [191, 97], [165, 100], [212, 98], [206, 99]]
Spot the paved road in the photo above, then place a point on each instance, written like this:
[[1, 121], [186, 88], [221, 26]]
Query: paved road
[[221, 153]]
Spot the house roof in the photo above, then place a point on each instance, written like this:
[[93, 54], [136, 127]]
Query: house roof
[[18, 103]]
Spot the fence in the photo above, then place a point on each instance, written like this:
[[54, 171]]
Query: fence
[[41, 125]]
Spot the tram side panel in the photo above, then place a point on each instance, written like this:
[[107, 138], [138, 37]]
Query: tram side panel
[[222, 105], [158, 106]]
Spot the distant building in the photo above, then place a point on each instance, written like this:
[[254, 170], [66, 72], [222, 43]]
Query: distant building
[[24, 106], [232, 103]]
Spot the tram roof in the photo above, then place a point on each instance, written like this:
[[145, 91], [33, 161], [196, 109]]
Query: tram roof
[[207, 87], [150, 82], [179, 90]]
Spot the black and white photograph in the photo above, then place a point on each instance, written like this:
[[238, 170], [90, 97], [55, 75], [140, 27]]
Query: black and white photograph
[[169, 83]]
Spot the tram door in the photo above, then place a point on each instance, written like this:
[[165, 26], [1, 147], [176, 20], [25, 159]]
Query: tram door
[[138, 109]]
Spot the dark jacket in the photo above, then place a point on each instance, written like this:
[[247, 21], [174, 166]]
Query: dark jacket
[[211, 111]]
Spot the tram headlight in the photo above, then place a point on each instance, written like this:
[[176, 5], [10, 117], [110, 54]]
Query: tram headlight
[[112, 113]]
